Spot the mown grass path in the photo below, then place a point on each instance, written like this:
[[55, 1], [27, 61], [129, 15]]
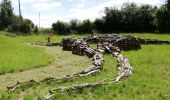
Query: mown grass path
[[64, 63]]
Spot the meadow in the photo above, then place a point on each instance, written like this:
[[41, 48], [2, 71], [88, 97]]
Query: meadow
[[16, 56], [150, 79]]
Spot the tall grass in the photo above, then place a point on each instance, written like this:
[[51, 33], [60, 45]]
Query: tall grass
[[16, 56]]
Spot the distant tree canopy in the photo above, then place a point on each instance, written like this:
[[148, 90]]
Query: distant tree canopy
[[84, 27], [129, 18], [75, 26], [12, 23], [61, 28]]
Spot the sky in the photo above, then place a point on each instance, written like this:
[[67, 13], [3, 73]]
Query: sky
[[65, 10]]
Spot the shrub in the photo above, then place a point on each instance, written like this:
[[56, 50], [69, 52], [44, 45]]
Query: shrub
[[22, 27], [36, 29], [61, 28], [85, 27]]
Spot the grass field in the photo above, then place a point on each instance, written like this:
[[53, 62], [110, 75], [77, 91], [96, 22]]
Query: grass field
[[17, 56], [150, 79]]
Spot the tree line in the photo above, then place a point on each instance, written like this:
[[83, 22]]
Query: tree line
[[129, 18], [13, 23]]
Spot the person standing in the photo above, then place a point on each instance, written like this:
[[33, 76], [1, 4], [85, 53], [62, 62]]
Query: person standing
[[49, 36]]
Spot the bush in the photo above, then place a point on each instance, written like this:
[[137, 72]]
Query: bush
[[85, 27], [22, 27], [163, 20], [100, 25], [73, 25], [61, 28], [36, 29]]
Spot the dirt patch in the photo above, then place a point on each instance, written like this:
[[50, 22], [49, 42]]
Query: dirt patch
[[65, 63]]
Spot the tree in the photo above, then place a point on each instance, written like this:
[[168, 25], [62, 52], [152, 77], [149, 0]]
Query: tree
[[73, 25], [163, 18], [36, 29], [60, 27], [21, 27], [6, 14], [85, 27], [130, 12], [113, 20], [145, 19], [130, 18], [168, 5], [100, 25]]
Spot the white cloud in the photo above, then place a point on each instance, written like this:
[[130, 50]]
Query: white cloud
[[46, 20], [81, 4], [46, 6], [91, 13], [80, 11], [15, 2]]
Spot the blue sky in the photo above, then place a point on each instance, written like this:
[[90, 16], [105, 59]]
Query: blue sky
[[53, 10]]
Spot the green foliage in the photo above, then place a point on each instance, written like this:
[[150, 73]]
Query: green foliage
[[134, 18], [6, 14], [163, 19], [36, 29], [129, 18], [100, 25], [61, 28], [9, 21], [28, 97], [112, 20], [20, 26], [73, 25], [84, 27], [168, 5]]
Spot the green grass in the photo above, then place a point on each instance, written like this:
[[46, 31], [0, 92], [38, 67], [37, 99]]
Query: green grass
[[152, 36], [17, 56], [150, 79]]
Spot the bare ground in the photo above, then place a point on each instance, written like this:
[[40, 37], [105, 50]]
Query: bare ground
[[64, 63]]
